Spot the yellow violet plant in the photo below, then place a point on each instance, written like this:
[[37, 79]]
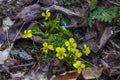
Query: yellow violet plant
[[79, 66], [86, 50], [46, 14], [27, 34], [68, 53]]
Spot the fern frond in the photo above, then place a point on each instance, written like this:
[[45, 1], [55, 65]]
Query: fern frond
[[103, 14]]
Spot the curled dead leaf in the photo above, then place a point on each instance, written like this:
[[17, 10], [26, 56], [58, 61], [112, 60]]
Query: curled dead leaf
[[70, 75]]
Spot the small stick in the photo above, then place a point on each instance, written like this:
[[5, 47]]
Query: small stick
[[18, 32]]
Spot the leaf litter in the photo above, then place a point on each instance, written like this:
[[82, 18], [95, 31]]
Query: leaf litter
[[19, 61]]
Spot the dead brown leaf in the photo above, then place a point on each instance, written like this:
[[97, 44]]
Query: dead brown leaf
[[105, 36], [98, 36], [29, 13], [70, 75], [92, 73]]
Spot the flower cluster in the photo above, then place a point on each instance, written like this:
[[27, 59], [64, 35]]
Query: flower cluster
[[79, 66], [69, 53], [72, 46], [27, 34], [46, 14]]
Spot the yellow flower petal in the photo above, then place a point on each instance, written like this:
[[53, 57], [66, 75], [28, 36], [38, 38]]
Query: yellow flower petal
[[45, 44], [82, 65], [43, 14], [57, 49], [63, 49], [74, 45], [79, 70], [71, 40], [77, 53], [48, 14], [77, 64], [25, 31], [67, 43], [65, 54], [29, 31], [24, 36], [29, 35], [45, 50], [50, 47], [85, 46], [47, 10], [86, 50], [59, 56]]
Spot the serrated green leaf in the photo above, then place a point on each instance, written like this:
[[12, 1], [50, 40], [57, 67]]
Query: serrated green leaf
[[105, 14], [93, 4]]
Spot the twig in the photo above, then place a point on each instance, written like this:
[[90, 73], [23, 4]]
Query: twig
[[114, 44], [22, 65], [18, 32]]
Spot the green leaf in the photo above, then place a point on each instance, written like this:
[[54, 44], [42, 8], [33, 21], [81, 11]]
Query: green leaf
[[105, 14], [64, 31], [51, 38], [93, 4], [36, 31]]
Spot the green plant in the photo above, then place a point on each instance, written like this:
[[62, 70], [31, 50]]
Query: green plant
[[68, 53], [57, 44], [45, 29], [105, 14]]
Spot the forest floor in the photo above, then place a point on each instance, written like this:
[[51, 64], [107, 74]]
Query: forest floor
[[59, 40]]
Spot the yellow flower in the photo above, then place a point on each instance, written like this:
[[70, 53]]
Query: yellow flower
[[71, 45], [82, 65], [79, 66], [77, 53], [86, 50], [27, 34], [47, 47], [61, 52], [46, 14]]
